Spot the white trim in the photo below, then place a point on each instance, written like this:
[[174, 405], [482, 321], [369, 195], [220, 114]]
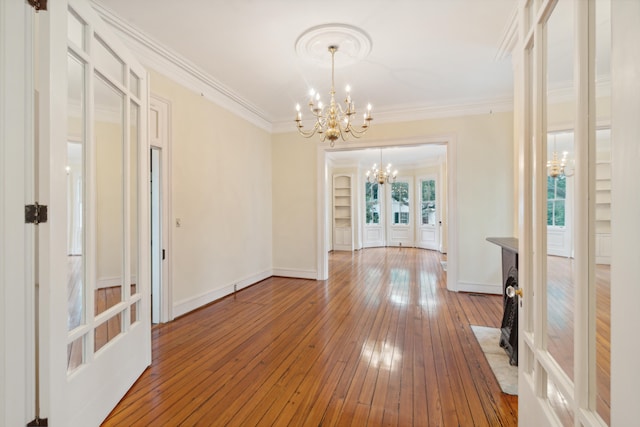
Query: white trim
[[189, 304], [509, 38], [407, 113], [16, 239], [164, 107], [481, 288], [452, 196], [169, 63], [296, 273]]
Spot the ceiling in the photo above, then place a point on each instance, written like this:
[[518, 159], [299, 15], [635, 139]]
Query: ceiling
[[425, 55]]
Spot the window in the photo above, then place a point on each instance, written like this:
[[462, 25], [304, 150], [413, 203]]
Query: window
[[428, 202], [400, 202], [556, 198], [372, 203]]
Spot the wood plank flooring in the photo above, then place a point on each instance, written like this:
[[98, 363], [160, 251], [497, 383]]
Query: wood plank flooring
[[382, 342]]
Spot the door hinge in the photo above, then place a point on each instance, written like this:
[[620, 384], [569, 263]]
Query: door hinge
[[35, 214], [38, 4], [163, 254]]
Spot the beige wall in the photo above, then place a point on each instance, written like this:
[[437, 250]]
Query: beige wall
[[484, 180], [221, 191]]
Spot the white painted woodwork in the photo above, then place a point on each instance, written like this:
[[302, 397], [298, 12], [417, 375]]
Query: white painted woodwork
[[399, 234], [159, 138], [625, 211], [17, 283], [427, 235], [86, 396], [541, 380], [343, 212]]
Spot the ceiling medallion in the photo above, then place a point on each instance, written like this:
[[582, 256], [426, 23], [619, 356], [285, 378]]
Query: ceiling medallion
[[354, 43], [332, 121]]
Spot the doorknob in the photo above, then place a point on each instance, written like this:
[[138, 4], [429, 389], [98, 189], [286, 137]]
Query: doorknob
[[513, 291]]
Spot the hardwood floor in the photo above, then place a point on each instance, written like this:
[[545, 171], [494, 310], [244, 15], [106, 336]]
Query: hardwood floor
[[382, 342]]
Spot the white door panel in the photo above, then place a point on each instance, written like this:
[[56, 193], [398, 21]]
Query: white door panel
[[399, 199], [93, 154], [427, 218]]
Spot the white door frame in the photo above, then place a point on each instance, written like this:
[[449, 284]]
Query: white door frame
[[536, 364], [160, 138], [17, 391], [373, 230], [323, 185], [433, 244], [400, 234]]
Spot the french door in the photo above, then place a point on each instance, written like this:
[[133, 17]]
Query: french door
[[563, 81], [93, 253], [400, 221], [428, 220]]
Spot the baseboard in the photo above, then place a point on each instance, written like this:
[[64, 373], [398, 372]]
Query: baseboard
[[185, 306], [479, 288], [295, 273], [108, 282]]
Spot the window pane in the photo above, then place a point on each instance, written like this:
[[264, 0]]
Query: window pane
[[372, 203], [400, 202], [558, 213]]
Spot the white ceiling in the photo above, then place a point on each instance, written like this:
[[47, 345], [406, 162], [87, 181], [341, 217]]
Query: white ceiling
[[425, 54]]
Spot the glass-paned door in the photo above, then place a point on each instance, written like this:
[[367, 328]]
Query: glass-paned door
[[428, 233], [373, 233], [95, 269], [562, 379], [400, 221]]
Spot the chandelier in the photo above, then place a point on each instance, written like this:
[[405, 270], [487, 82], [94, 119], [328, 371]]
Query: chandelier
[[332, 121], [556, 167], [378, 175]]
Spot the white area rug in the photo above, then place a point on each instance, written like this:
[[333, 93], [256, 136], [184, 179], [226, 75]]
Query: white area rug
[[507, 375]]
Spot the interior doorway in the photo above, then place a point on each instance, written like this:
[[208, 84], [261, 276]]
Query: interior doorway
[[160, 210], [157, 252], [355, 162]]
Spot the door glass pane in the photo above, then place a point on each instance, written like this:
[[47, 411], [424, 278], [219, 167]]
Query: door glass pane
[[603, 183], [107, 62], [400, 203], [107, 331], [372, 202], [76, 30], [109, 170], [75, 354], [428, 202], [75, 193], [560, 108], [560, 405], [133, 193]]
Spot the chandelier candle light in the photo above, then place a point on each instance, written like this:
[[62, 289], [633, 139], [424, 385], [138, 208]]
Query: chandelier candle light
[[379, 175], [332, 122]]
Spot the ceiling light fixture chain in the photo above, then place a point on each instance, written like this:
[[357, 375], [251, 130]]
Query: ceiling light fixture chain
[[333, 122]]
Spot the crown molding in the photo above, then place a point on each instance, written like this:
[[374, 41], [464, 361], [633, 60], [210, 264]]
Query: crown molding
[[417, 113], [163, 60], [509, 37]]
